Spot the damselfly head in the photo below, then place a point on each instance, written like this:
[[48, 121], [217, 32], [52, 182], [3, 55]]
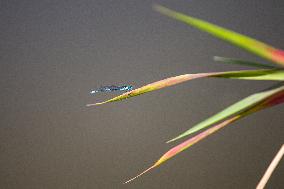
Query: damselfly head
[[128, 87]]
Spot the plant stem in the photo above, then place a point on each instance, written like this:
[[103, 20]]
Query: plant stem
[[271, 168]]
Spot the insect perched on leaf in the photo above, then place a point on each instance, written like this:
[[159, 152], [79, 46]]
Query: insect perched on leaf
[[113, 88]]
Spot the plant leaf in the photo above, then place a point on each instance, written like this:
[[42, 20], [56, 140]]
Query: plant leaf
[[265, 74], [179, 148], [274, 99], [259, 48], [243, 62], [236, 108]]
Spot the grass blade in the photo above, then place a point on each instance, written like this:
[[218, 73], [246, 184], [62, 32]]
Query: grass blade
[[259, 48], [236, 108], [179, 148], [243, 62], [271, 168], [272, 100], [266, 74]]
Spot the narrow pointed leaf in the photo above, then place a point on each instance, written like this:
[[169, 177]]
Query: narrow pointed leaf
[[265, 74], [259, 48], [243, 62], [271, 168], [272, 100], [179, 148], [236, 108]]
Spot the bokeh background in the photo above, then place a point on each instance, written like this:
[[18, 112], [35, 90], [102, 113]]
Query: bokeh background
[[52, 53]]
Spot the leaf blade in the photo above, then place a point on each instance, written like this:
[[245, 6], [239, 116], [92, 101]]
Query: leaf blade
[[265, 74], [242, 62], [259, 48], [274, 99], [236, 108]]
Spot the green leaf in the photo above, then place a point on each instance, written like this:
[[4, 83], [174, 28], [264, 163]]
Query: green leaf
[[236, 108], [272, 100], [243, 62], [267, 74], [259, 48]]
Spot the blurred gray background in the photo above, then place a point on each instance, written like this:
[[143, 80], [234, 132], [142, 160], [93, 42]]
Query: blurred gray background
[[52, 53]]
